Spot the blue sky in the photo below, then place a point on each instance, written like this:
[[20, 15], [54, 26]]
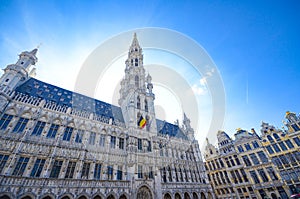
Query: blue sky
[[254, 43]]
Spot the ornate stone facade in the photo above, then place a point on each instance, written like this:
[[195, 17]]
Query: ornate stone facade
[[253, 166], [55, 143]]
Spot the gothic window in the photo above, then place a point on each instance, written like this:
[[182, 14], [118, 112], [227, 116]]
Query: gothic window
[[255, 144], [237, 160], [221, 162], [164, 175], [92, 138], [56, 169], [121, 143], [272, 173], [295, 127], [244, 175], [246, 160], [151, 173], [137, 81], [276, 161], [167, 152], [20, 125], [37, 168], [291, 158], [283, 159], [289, 144], [119, 173], [20, 167], [85, 170], [276, 136], [297, 140], [232, 161], [282, 146], [263, 175], [52, 131], [146, 105], [102, 140], [112, 142], [110, 171], [181, 175], [5, 120], [140, 146], [270, 138], [282, 192], [97, 171], [79, 136], [70, 170], [238, 176], [254, 159], [161, 152], [233, 176], [270, 150], [169, 174], [277, 149], [240, 148], [149, 147], [186, 175], [67, 134], [138, 104], [247, 146], [262, 157], [227, 162], [3, 160], [254, 177], [140, 171], [136, 62], [38, 129]]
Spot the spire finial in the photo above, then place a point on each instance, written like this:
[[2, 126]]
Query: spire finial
[[135, 42]]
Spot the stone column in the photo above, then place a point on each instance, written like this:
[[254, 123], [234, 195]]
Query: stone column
[[92, 170]]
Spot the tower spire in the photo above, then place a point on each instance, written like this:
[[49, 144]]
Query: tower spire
[[136, 96], [135, 42]]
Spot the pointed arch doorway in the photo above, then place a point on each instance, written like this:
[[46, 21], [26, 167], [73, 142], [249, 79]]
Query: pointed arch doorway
[[144, 193]]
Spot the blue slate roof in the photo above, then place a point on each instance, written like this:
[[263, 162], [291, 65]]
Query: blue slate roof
[[63, 97], [167, 128], [50, 93]]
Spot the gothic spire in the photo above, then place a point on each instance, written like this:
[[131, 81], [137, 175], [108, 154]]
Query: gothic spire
[[135, 42], [33, 52]]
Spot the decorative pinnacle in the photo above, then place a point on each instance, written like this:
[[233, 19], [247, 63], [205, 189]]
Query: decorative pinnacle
[[135, 41]]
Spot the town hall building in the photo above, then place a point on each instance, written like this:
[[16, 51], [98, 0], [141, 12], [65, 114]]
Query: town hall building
[[58, 144]]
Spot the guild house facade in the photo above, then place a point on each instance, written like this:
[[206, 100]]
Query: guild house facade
[[256, 167], [58, 144]]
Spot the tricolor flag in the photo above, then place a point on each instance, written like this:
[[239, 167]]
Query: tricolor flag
[[142, 122]]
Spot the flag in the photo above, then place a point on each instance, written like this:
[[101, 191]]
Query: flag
[[142, 122]]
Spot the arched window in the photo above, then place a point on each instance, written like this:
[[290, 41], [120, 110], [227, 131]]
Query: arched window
[[146, 105], [136, 62], [176, 175], [177, 196], [169, 174], [138, 104], [137, 81], [138, 118], [276, 136], [164, 175], [181, 175], [270, 138]]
